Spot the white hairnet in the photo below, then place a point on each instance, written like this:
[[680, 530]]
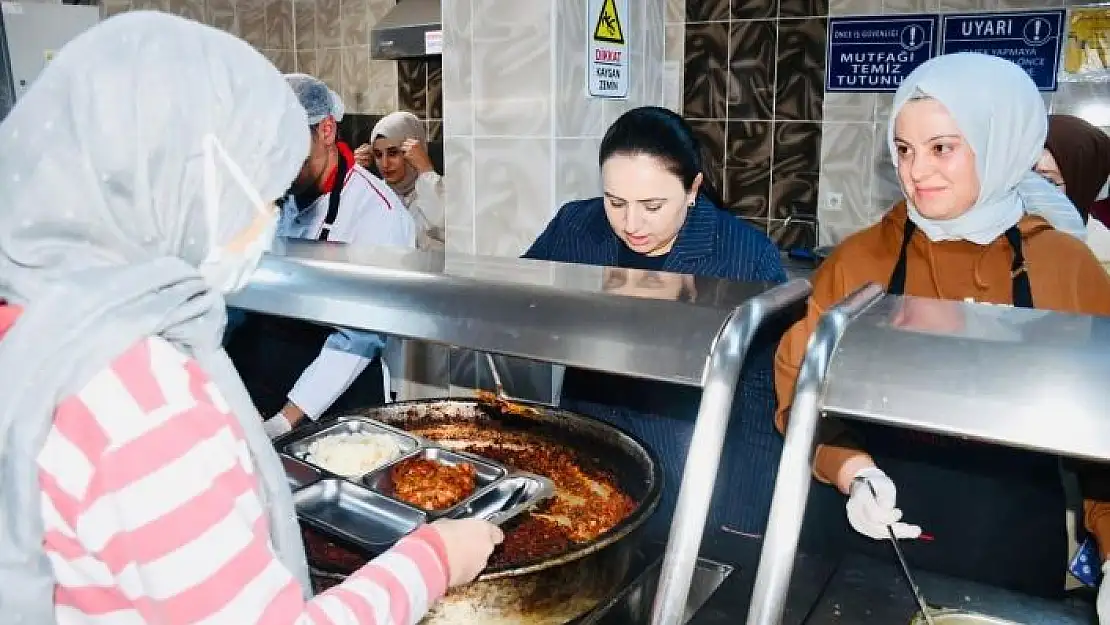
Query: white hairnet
[[102, 226], [318, 100]]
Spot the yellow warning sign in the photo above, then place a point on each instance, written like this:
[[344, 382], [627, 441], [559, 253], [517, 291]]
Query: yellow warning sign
[[608, 27]]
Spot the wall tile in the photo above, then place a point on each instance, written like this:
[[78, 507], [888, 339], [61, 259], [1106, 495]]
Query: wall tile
[[382, 96], [751, 88], [909, 6], [304, 21], [514, 200], [222, 14], [435, 88], [752, 9], [711, 135], [793, 233], [748, 168], [706, 71], [279, 24], [458, 97], [512, 77], [329, 68], [797, 147], [849, 107], [355, 81], [378, 9], [847, 170], [108, 8], [794, 194], [1083, 99], [576, 114], [885, 190], [412, 86], [654, 38], [354, 28], [676, 11], [435, 129], [189, 9], [800, 75], [283, 60], [1008, 5], [328, 32], [252, 21], [706, 10], [458, 156], [576, 171], [855, 7], [804, 8], [306, 62], [673, 60], [965, 5]]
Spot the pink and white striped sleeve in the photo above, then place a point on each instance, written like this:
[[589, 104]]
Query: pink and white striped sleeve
[[153, 516]]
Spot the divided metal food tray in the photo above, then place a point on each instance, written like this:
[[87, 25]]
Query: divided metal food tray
[[361, 508]]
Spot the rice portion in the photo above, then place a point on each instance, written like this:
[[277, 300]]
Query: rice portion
[[353, 455]]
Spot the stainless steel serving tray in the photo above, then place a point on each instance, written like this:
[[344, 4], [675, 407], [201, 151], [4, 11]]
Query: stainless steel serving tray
[[362, 510]]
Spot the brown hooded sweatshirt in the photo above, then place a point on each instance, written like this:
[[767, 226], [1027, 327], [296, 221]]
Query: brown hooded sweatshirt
[[1064, 275]]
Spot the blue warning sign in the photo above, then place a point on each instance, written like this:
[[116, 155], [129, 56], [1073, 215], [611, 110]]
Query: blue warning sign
[[1031, 39], [875, 53]]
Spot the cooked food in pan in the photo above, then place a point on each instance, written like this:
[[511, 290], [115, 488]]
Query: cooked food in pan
[[353, 455], [432, 485]]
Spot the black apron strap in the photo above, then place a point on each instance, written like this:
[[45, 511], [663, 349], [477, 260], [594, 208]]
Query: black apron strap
[[1019, 273], [333, 200], [897, 284], [1022, 291]]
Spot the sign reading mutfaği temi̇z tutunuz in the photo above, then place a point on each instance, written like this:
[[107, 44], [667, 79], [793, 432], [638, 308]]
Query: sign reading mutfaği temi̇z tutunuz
[[875, 53], [607, 48]]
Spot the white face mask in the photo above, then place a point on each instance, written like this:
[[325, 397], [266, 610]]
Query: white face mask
[[223, 270]]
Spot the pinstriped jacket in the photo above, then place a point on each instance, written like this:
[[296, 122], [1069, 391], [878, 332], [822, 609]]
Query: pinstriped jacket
[[711, 243]]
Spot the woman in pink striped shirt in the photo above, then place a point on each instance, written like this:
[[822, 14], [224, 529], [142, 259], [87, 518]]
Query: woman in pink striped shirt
[[136, 482]]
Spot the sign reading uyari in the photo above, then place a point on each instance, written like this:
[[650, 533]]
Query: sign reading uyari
[[1030, 39], [607, 49], [875, 53]]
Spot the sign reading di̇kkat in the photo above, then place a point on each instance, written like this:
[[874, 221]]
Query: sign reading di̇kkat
[[875, 53]]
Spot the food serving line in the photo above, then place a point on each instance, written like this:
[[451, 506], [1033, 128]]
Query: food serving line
[[561, 314]]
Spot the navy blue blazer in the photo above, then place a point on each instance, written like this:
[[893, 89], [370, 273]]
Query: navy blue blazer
[[710, 243]]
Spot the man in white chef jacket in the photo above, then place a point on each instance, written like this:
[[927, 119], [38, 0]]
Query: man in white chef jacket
[[294, 369]]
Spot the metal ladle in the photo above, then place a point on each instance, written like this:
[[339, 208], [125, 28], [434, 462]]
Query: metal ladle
[[921, 605]]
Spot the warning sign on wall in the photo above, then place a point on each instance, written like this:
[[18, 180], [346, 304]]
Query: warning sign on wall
[[607, 49]]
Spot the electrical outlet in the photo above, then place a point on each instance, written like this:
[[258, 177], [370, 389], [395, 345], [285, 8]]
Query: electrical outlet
[[834, 202]]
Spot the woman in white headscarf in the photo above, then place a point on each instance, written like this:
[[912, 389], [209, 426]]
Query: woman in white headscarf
[[398, 147], [136, 482], [965, 132]]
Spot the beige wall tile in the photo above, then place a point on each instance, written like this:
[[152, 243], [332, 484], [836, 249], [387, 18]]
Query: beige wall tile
[[458, 162], [223, 14], [378, 9], [909, 6], [329, 68], [279, 24], [252, 21], [355, 23], [577, 175], [283, 60], [108, 8], [674, 60], [514, 199], [382, 97], [306, 62], [458, 96], [844, 191], [576, 114], [304, 20], [965, 5], [512, 67], [676, 11], [654, 37], [356, 78], [855, 7], [190, 9], [328, 33]]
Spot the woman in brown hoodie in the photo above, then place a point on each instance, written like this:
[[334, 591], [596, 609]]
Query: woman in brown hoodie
[[997, 514]]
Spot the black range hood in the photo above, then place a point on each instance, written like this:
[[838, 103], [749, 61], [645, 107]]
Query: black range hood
[[412, 29]]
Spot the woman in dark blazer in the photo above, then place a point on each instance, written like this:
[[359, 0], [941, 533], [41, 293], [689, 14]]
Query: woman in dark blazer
[[657, 214]]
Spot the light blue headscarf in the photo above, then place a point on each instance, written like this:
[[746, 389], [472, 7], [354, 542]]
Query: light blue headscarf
[[1001, 114]]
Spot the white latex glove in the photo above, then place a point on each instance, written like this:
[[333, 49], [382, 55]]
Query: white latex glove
[[871, 508], [1104, 596], [276, 425]]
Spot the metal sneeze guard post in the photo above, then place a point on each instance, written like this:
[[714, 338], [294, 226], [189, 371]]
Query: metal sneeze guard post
[[784, 526], [721, 375]]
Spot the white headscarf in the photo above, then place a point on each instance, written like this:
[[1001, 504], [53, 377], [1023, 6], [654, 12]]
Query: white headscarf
[[998, 109], [107, 167], [399, 126]]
